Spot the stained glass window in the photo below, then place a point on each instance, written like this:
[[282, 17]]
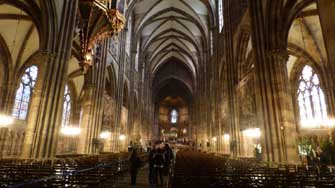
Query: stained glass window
[[220, 12], [311, 99], [174, 116], [23, 93], [66, 107]]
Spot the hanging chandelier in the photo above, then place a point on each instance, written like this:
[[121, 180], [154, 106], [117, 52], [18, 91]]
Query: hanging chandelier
[[98, 19]]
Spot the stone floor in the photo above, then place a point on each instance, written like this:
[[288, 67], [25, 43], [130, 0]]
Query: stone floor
[[142, 180]]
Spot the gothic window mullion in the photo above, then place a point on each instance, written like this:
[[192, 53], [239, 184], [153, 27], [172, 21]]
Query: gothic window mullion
[[304, 104], [320, 102], [21, 99], [66, 107], [311, 100]]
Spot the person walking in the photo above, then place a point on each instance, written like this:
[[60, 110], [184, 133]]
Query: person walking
[[151, 164], [168, 155], [158, 166], [135, 164]]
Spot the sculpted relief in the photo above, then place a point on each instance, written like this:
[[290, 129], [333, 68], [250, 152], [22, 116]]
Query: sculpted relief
[[109, 105]]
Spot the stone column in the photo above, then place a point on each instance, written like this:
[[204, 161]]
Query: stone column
[[92, 104], [87, 106], [231, 72], [140, 101], [275, 109], [43, 124], [274, 104], [9, 96], [327, 14], [132, 80], [119, 94]]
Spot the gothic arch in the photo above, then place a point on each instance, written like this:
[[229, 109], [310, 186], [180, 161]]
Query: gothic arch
[[293, 13], [38, 59], [74, 96], [303, 59], [179, 41], [111, 86], [241, 57], [5, 71]]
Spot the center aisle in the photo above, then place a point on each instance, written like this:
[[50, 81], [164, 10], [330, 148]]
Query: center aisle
[[142, 180]]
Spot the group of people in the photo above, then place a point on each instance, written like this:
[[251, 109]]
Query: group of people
[[160, 158], [317, 157]]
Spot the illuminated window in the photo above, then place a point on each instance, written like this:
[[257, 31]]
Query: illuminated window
[[174, 116], [23, 93], [66, 107], [311, 99], [220, 12]]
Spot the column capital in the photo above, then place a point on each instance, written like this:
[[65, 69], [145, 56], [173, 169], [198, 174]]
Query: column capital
[[278, 53]]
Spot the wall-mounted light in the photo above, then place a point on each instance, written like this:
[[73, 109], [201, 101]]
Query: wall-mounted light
[[214, 139], [226, 137], [122, 137], [184, 131], [252, 133], [70, 130], [5, 120], [105, 134]]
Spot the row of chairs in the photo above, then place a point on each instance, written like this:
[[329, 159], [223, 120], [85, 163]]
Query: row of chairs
[[67, 171], [194, 169]]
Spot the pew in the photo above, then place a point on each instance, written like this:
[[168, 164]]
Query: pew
[[103, 170], [196, 169]]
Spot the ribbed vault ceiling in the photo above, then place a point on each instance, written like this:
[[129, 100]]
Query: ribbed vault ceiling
[[306, 36], [172, 29], [19, 37]]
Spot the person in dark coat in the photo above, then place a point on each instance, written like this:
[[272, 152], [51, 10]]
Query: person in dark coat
[[135, 164], [159, 161], [151, 164], [168, 155]]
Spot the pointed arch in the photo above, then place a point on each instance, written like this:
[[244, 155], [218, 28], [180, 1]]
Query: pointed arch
[[311, 98]]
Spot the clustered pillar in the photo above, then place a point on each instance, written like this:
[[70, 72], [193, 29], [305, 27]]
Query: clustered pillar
[[43, 124]]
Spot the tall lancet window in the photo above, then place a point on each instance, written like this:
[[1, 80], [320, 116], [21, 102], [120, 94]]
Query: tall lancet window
[[311, 99], [23, 93], [66, 107], [174, 116], [220, 13]]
